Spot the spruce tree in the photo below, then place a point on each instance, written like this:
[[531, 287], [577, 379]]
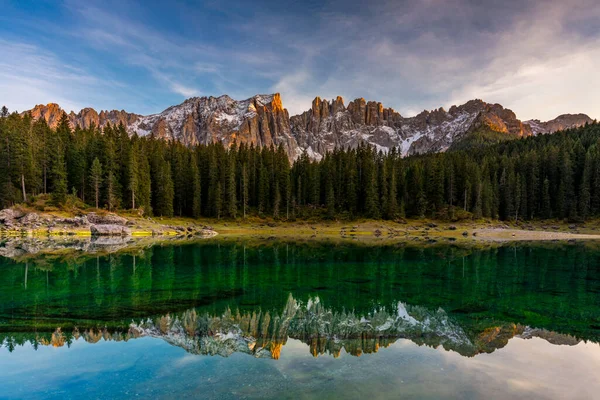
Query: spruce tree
[[231, 187], [196, 187], [245, 191], [330, 198], [58, 170], [96, 179]]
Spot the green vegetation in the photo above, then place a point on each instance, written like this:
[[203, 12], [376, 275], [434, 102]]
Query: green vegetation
[[550, 286], [549, 176], [480, 138]]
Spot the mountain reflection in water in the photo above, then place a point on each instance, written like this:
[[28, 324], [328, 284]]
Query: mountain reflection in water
[[219, 298], [325, 331]]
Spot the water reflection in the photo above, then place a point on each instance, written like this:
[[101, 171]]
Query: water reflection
[[324, 330], [469, 300], [289, 320]]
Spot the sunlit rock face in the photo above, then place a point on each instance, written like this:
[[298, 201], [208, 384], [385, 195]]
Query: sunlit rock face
[[560, 123], [262, 120], [50, 112], [85, 118]]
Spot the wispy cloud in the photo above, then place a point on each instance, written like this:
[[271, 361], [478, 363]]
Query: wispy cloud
[[28, 72], [537, 58]]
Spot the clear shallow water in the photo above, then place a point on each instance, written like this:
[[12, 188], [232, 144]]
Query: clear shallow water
[[285, 320]]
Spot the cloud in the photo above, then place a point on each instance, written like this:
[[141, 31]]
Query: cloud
[[28, 72], [536, 58], [183, 90], [540, 66]]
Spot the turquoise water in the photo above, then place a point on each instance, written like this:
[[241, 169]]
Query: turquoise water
[[220, 319]]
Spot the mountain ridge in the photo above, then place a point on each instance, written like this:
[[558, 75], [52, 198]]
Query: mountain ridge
[[262, 120]]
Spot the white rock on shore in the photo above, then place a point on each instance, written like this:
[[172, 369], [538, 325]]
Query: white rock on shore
[[109, 230]]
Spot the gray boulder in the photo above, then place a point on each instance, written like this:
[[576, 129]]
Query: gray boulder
[[30, 219], [75, 221], [109, 230], [108, 219], [8, 215]]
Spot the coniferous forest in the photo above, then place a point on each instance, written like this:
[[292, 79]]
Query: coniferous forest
[[547, 176]]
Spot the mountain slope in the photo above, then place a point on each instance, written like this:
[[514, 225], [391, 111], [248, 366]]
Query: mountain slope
[[84, 118], [329, 125], [562, 122], [262, 120]]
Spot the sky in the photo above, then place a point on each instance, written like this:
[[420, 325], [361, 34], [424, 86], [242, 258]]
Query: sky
[[539, 58]]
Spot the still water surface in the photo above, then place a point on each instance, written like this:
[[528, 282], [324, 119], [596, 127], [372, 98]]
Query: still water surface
[[220, 319]]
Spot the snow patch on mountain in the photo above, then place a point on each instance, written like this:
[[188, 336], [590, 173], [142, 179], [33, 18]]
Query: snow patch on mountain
[[262, 120]]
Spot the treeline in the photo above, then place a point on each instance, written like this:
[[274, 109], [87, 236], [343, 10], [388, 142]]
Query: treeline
[[548, 176]]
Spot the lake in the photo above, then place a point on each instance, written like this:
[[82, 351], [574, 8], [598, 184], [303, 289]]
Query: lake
[[246, 319]]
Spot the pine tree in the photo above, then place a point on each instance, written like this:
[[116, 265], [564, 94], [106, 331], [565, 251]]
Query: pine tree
[[196, 188], [276, 200], [585, 188], [244, 189], [218, 205], [214, 197], [164, 190], [263, 189], [330, 198], [392, 202], [58, 170], [59, 178], [518, 196], [370, 182], [133, 174], [144, 190], [231, 187], [546, 200], [96, 179]]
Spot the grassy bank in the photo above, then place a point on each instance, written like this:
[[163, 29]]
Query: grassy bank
[[265, 228]]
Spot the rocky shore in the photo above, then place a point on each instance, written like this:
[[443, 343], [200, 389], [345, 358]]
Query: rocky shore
[[16, 222]]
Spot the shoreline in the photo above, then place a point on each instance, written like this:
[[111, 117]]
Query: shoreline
[[46, 225]]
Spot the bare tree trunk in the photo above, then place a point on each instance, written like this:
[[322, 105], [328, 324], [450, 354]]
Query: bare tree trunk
[[23, 187]]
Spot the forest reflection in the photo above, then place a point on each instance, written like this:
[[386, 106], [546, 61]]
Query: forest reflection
[[224, 297]]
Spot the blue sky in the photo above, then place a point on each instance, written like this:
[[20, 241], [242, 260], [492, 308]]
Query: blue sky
[[539, 58]]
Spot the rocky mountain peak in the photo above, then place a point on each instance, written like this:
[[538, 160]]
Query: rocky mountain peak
[[562, 122], [50, 112], [85, 118], [262, 120]]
